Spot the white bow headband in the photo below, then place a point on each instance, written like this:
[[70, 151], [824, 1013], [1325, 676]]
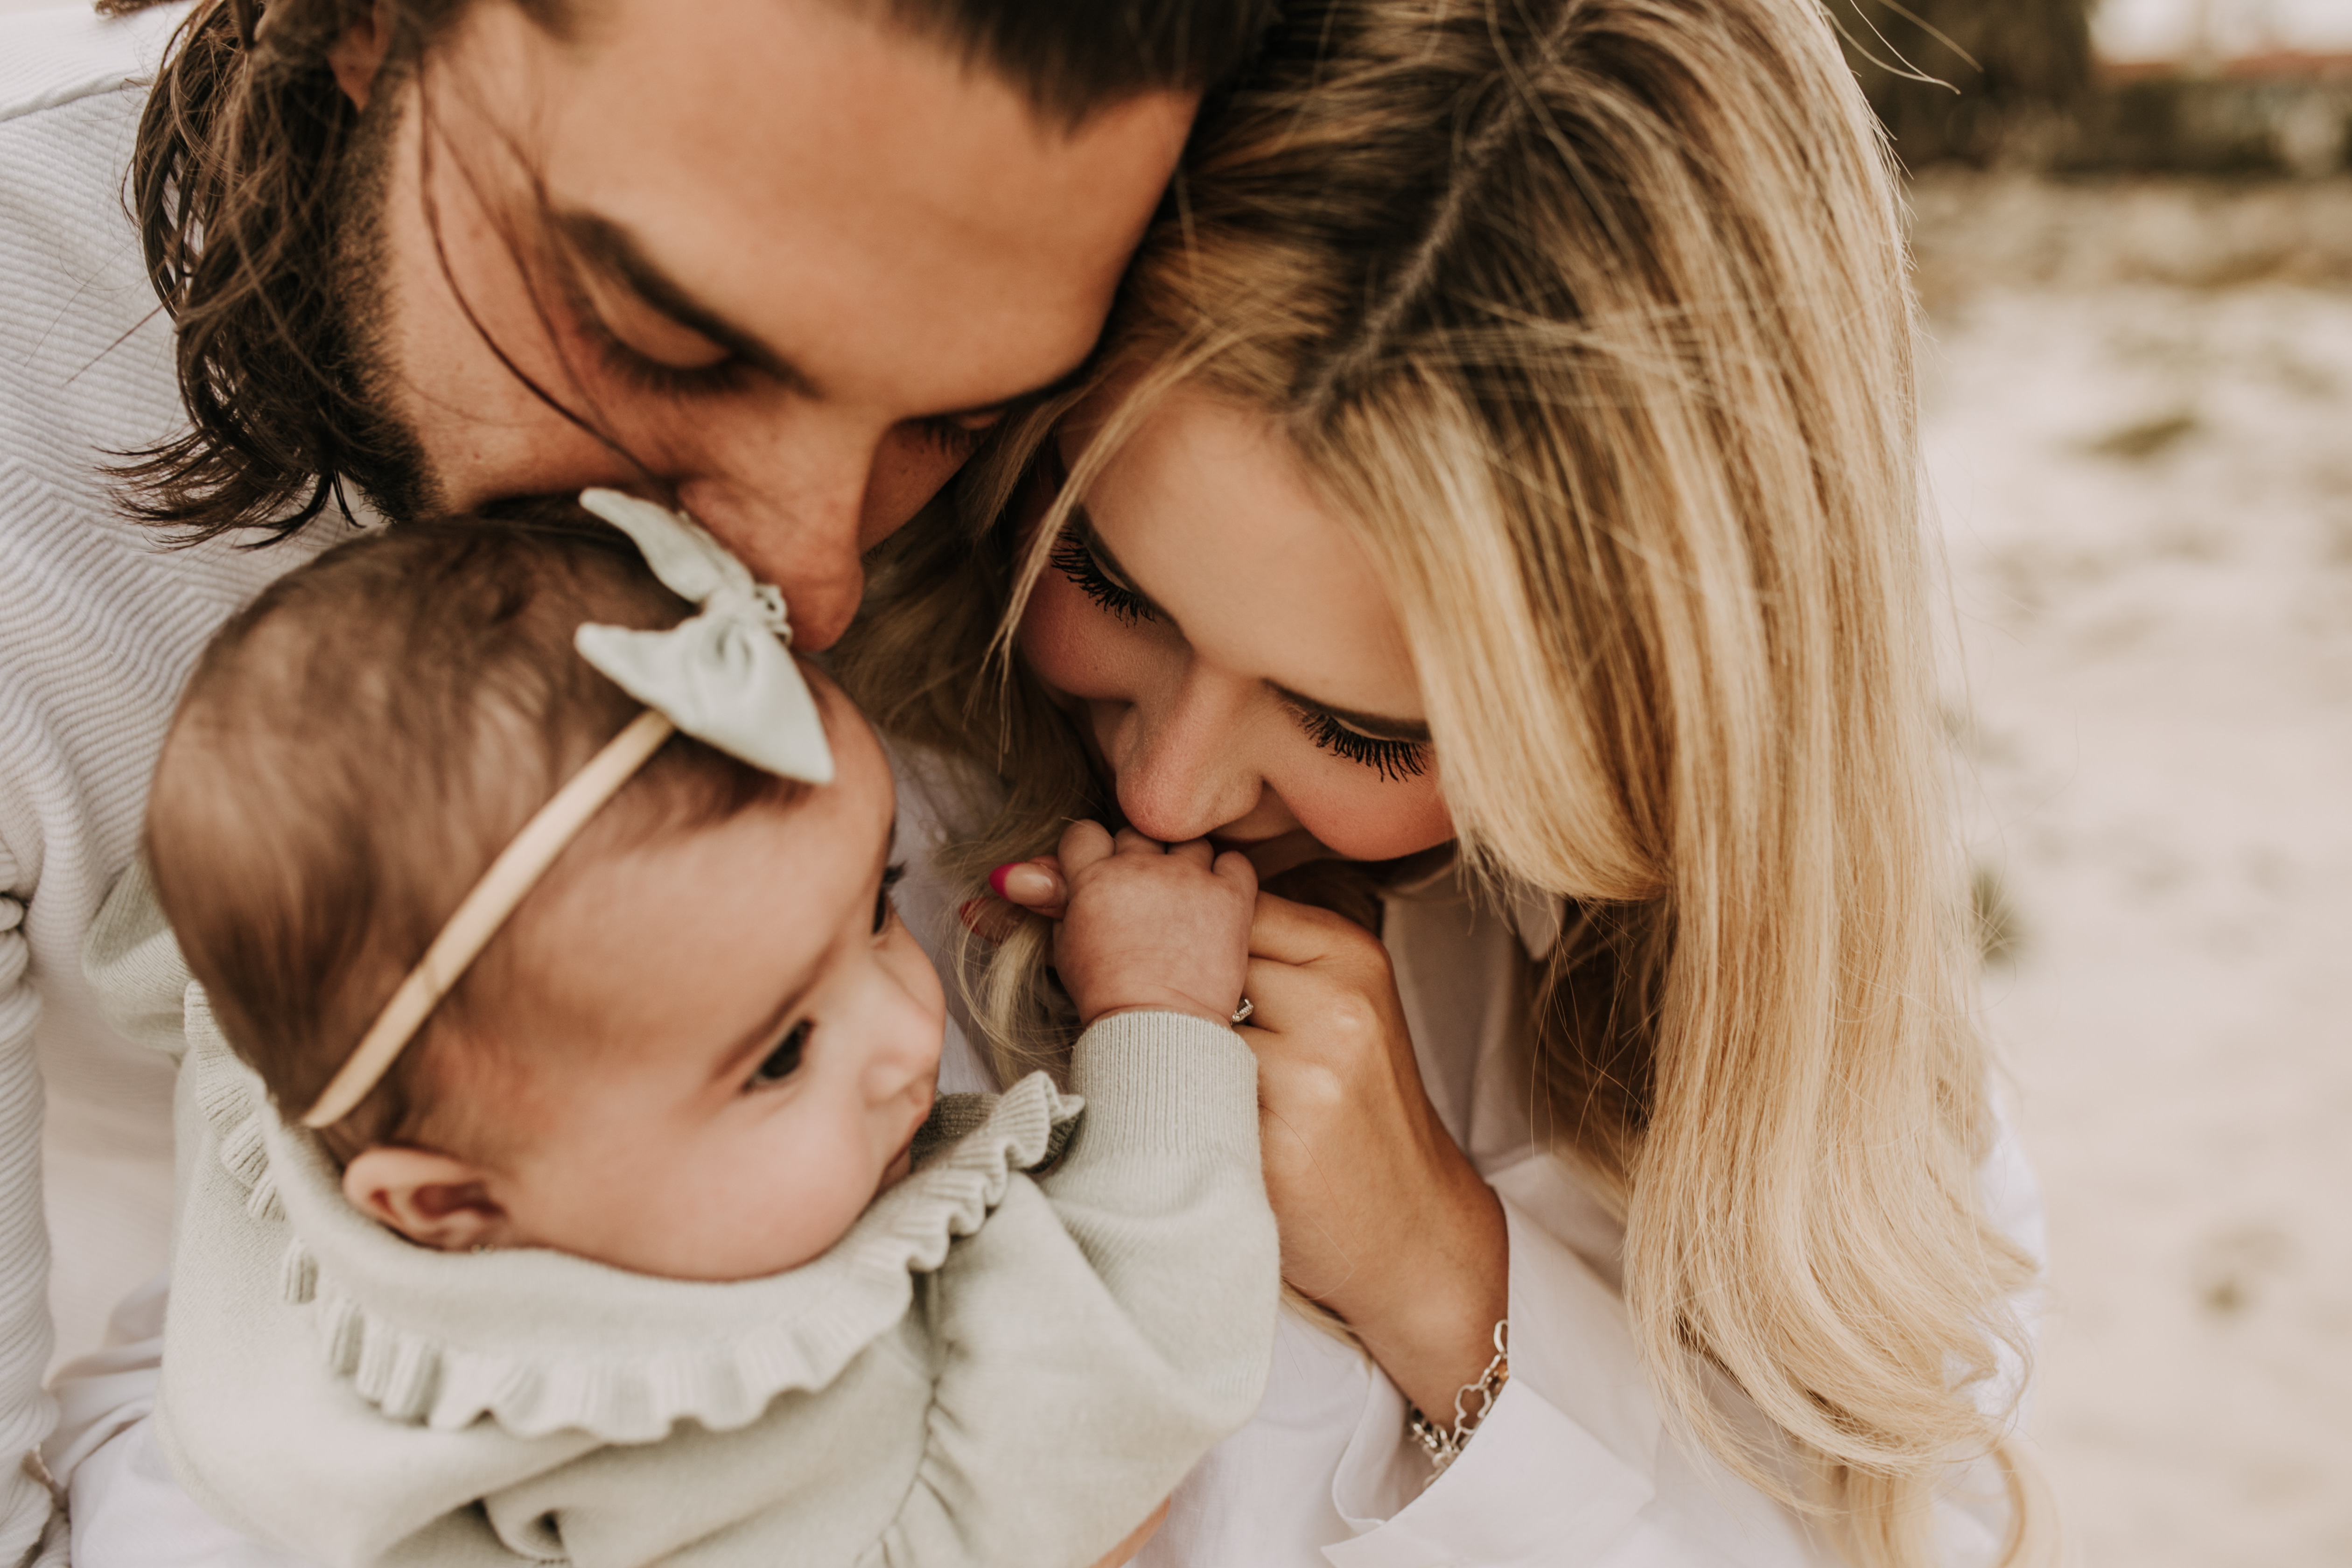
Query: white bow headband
[[725, 677]]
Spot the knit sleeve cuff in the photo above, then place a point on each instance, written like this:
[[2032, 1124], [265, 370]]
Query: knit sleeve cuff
[[1162, 1083]]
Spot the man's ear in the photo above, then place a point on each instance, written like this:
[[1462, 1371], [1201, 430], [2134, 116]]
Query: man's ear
[[357, 55], [433, 1199]]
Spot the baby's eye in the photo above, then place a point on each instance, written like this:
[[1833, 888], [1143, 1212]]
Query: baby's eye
[[784, 1060], [882, 897]]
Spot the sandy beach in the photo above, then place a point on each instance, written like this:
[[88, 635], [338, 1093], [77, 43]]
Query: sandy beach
[[2141, 449]]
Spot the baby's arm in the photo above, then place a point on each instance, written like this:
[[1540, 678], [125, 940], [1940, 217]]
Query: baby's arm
[[1113, 1319]]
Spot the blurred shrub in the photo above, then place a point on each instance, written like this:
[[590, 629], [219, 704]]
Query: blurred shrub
[[2233, 122], [1971, 81], [2012, 83]]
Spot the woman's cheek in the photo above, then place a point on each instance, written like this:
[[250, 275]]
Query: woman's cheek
[[1072, 645], [1369, 817]]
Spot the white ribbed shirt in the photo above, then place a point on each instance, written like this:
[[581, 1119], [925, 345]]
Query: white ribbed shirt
[[98, 626]]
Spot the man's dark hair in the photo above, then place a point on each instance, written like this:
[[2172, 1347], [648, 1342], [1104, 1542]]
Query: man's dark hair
[[256, 186]]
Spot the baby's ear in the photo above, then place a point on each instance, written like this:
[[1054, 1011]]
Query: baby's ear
[[434, 1200]]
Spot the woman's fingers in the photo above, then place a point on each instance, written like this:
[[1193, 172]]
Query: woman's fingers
[[1296, 933], [991, 919], [1033, 886]]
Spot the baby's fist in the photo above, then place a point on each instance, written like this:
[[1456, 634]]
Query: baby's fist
[[1150, 926]]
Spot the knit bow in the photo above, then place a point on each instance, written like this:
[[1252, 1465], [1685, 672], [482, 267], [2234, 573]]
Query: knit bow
[[725, 676]]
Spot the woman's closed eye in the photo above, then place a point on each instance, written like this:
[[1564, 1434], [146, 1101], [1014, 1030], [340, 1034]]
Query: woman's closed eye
[[1075, 559], [883, 908], [782, 1061], [1391, 759]]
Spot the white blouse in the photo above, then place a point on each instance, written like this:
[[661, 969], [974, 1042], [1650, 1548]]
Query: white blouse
[[1574, 1465]]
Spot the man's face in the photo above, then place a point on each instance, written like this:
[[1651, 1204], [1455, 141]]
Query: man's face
[[774, 254]]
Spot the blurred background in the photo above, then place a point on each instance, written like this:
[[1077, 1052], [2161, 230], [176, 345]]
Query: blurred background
[[2133, 226]]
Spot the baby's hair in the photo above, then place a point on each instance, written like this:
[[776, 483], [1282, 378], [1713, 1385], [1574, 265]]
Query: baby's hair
[[354, 749]]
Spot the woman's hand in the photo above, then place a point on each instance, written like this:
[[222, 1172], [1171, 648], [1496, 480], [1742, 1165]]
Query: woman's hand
[[1383, 1218]]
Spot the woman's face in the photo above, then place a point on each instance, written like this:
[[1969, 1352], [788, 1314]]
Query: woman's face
[[1230, 651]]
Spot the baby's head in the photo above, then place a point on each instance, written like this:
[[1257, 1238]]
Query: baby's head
[[701, 1042]]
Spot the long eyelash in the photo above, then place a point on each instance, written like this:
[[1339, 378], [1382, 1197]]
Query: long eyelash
[[883, 908], [648, 375], [949, 439], [1073, 560], [651, 376], [1391, 759]]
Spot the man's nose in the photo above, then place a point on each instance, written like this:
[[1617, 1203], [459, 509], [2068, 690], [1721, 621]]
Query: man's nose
[[1181, 759], [800, 534]]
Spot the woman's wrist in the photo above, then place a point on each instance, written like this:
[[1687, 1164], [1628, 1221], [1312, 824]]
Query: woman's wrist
[[1433, 1331]]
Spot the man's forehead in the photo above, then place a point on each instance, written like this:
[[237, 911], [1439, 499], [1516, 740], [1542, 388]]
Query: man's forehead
[[817, 171]]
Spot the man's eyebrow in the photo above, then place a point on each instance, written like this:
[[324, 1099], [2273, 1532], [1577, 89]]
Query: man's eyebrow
[[1373, 725], [608, 245]]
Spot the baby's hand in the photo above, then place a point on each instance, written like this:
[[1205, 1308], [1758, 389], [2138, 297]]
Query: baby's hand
[[1153, 926]]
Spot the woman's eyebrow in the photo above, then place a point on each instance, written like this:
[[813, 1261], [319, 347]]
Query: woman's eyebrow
[[606, 245], [1373, 724]]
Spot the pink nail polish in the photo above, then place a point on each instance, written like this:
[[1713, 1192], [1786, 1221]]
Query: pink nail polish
[[997, 879]]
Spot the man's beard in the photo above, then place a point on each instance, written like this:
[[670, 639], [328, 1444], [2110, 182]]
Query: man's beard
[[381, 455]]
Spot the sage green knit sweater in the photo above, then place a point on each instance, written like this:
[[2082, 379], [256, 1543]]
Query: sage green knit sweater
[[1005, 1362]]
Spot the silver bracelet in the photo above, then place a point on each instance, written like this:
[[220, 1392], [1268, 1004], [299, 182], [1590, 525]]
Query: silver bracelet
[[1471, 1403]]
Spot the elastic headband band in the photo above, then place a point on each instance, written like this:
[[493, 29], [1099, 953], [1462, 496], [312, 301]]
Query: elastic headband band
[[510, 880]]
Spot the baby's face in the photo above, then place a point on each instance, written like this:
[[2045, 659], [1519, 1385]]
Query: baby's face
[[757, 1038]]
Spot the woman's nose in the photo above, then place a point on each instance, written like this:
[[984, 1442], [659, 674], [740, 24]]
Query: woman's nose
[[1183, 768]]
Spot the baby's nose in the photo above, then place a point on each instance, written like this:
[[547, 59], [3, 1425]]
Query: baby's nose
[[896, 1069]]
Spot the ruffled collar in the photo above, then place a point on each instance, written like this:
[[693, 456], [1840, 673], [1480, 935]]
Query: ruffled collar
[[542, 1341]]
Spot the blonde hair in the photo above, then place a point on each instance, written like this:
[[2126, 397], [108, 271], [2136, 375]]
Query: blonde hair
[[1591, 315]]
